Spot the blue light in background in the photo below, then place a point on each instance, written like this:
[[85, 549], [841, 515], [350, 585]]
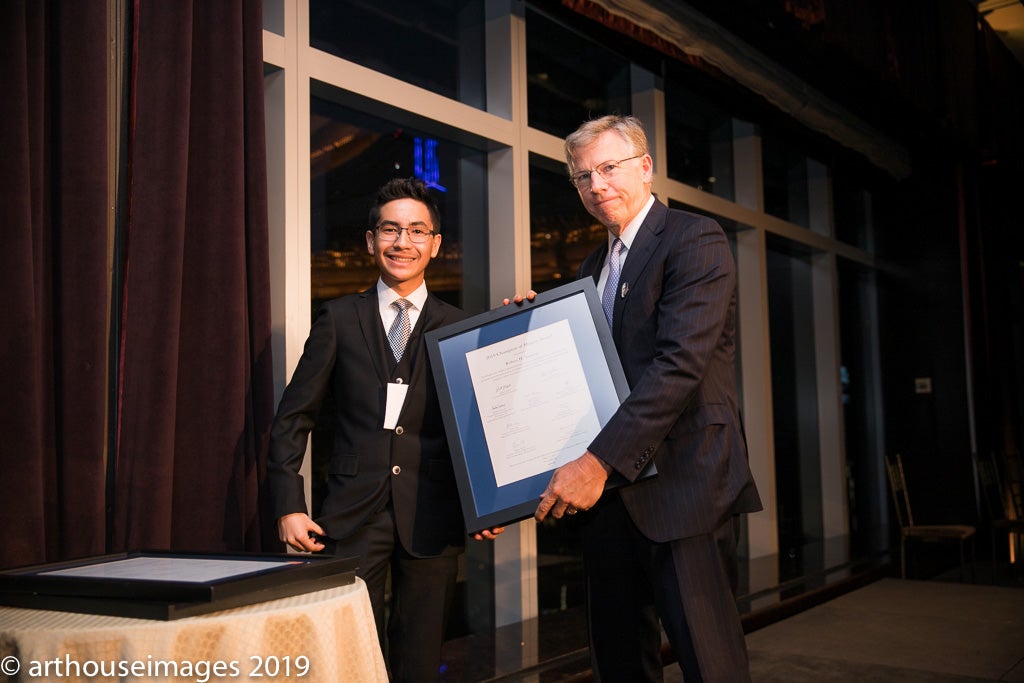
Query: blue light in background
[[425, 166]]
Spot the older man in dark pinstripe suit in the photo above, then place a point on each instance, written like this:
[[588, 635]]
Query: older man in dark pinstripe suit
[[663, 548]]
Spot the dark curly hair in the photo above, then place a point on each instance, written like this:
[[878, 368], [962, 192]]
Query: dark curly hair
[[405, 188]]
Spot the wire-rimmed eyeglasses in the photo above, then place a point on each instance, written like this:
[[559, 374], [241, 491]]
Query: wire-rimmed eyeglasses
[[390, 233], [606, 169]]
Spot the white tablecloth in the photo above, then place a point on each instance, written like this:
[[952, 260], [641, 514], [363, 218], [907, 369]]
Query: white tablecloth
[[322, 637]]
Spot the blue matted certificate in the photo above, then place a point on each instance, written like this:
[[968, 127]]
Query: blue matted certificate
[[523, 390]]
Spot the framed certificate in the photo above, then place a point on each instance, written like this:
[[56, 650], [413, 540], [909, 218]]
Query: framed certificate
[[166, 585], [524, 390]]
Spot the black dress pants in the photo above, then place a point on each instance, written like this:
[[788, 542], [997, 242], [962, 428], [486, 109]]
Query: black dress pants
[[687, 584], [411, 626]]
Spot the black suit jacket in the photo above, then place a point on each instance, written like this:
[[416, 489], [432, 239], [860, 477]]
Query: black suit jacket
[[347, 352], [674, 329]]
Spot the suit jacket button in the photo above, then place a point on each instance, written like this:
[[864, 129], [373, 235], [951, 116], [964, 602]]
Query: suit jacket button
[[396, 470], [399, 430]]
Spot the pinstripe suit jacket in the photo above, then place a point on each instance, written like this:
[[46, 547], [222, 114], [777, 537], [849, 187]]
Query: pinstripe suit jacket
[[674, 329]]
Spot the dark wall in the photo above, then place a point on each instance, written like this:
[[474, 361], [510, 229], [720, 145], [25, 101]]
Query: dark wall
[[921, 336], [934, 77]]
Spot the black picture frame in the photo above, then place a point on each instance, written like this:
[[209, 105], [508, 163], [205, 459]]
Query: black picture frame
[[485, 502], [106, 584]]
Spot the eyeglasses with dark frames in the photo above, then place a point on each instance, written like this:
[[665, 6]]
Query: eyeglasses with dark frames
[[606, 169], [390, 233]]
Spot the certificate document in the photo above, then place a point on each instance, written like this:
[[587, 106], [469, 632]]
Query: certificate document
[[523, 390], [169, 569], [535, 404]]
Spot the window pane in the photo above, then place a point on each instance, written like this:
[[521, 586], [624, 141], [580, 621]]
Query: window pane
[[794, 398], [434, 44], [860, 376], [785, 180], [352, 155], [699, 142], [273, 16], [854, 218], [562, 233], [570, 78]]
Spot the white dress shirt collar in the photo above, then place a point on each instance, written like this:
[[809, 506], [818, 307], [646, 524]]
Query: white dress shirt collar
[[386, 296], [628, 234]]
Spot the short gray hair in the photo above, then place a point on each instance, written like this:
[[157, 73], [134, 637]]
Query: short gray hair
[[628, 128]]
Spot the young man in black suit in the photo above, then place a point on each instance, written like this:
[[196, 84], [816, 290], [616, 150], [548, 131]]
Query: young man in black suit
[[391, 496]]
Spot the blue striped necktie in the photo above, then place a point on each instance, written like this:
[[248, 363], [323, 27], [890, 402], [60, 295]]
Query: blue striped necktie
[[612, 285]]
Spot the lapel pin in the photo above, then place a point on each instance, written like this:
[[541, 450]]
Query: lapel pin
[[625, 289]]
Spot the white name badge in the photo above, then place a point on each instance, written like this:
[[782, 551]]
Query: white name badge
[[396, 399]]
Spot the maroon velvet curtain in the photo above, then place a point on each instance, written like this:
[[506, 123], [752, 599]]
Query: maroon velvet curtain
[[196, 391], [53, 276], [192, 368]]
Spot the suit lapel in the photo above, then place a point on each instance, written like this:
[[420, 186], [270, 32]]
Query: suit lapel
[[647, 239], [646, 242], [415, 347], [428, 320], [368, 313]]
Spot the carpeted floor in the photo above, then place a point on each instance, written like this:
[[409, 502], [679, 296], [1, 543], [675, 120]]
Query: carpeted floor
[[895, 630]]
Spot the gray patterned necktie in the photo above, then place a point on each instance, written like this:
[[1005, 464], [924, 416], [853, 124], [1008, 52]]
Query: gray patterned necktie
[[398, 335], [610, 287]]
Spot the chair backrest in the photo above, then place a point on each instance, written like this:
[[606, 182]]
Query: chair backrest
[[1014, 482], [898, 486], [991, 484]]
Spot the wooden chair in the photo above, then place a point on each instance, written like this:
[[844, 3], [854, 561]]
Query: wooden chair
[[1001, 496], [1014, 482], [923, 532]]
